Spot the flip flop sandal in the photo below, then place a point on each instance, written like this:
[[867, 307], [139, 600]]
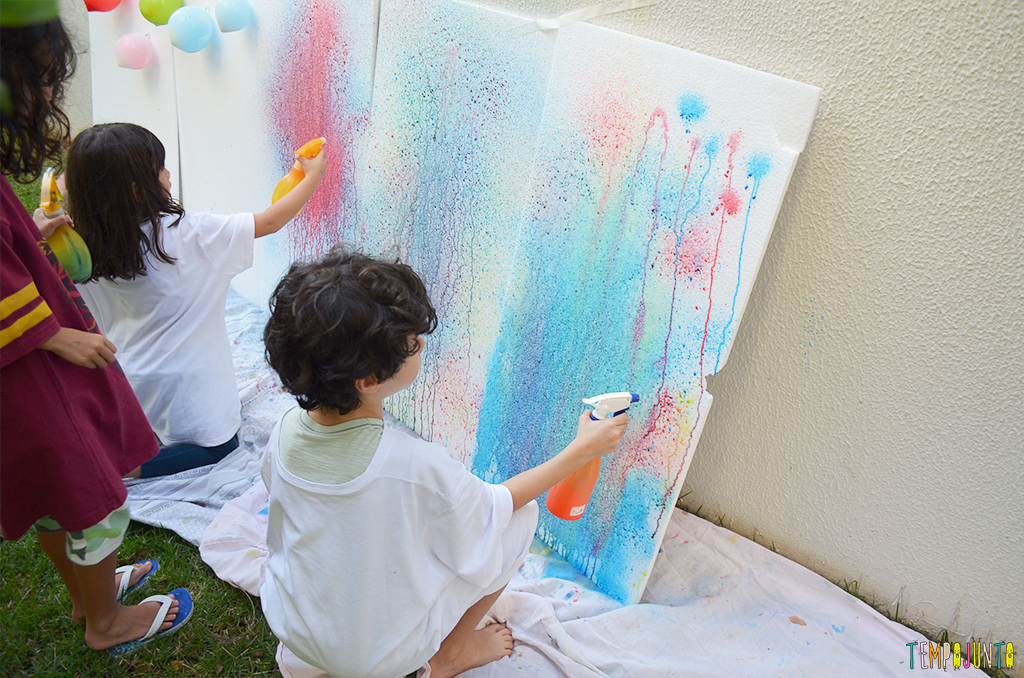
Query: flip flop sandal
[[184, 614], [124, 587]]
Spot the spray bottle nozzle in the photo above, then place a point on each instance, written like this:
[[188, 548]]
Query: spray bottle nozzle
[[609, 405], [50, 197]]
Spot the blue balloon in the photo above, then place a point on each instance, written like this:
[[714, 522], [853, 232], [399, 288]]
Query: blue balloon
[[190, 29], [233, 15]]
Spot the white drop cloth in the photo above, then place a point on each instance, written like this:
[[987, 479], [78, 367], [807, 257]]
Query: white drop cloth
[[716, 604]]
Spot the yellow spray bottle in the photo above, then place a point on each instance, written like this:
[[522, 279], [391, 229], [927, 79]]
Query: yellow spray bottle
[[64, 241], [310, 149]]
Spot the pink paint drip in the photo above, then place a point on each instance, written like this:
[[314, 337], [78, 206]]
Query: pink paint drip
[[730, 194]]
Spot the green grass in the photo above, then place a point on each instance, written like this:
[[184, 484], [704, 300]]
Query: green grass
[[27, 193], [227, 635]]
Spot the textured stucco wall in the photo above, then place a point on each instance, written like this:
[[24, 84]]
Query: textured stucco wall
[[78, 97], [870, 421]]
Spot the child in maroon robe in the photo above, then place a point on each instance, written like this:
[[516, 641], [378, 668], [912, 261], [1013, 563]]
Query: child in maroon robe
[[70, 425]]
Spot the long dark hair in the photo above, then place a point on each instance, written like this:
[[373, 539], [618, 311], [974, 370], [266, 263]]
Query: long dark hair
[[116, 200], [35, 61]]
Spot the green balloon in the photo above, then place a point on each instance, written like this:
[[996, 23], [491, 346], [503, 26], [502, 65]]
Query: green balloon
[[157, 12]]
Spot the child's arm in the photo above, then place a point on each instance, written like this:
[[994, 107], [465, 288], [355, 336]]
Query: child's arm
[[272, 219], [593, 439]]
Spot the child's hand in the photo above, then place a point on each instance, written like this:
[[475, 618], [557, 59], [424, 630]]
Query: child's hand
[[47, 225], [81, 348], [601, 437], [273, 219], [314, 166]]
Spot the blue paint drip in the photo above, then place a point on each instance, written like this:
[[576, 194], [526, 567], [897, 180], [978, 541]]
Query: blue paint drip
[[758, 166], [710, 149]]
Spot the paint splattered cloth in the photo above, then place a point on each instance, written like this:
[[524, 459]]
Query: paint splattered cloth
[[716, 606], [69, 433]]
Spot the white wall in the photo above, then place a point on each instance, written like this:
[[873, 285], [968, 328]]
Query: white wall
[[869, 422]]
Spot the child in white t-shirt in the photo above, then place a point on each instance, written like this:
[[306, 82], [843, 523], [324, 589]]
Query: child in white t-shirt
[[159, 285], [385, 553]]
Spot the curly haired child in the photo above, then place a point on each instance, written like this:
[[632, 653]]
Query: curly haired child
[[385, 553]]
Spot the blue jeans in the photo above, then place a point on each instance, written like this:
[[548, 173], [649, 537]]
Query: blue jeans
[[176, 458]]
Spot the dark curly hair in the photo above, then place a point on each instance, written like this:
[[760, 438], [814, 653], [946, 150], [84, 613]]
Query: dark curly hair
[[116, 199], [35, 62], [344, 317]]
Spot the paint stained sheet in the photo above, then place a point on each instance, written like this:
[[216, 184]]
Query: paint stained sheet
[[456, 107], [303, 69], [658, 176]]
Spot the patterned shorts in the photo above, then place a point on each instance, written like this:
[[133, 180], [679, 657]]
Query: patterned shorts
[[93, 544]]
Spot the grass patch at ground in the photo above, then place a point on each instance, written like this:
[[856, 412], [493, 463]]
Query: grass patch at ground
[[27, 193], [227, 635]]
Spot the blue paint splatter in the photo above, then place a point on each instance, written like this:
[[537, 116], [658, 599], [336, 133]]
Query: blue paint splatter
[[838, 629], [691, 108], [711, 146], [759, 166]]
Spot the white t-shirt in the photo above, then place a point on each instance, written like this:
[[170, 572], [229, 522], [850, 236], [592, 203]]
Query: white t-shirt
[[366, 578], [168, 326]]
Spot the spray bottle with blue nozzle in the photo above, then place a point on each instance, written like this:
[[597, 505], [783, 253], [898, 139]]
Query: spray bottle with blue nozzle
[[569, 498]]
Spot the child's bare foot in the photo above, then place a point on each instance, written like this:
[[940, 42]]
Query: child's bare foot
[[483, 646], [130, 623], [140, 571]]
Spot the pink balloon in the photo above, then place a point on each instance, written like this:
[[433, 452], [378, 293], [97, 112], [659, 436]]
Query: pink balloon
[[133, 50]]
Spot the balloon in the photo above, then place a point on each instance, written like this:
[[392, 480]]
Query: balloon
[[133, 50], [101, 5], [233, 15], [157, 12], [190, 29]]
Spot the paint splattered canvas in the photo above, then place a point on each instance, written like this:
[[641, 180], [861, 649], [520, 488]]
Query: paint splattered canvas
[[588, 209], [657, 179], [456, 107], [303, 69]]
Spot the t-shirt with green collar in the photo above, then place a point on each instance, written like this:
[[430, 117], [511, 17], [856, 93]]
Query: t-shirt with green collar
[[331, 455]]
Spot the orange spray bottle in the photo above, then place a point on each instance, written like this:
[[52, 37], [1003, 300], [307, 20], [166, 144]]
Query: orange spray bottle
[[69, 247], [568, 499], [310, 149]]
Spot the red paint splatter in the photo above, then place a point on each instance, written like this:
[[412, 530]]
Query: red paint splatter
[[730, 200], [308, 101]]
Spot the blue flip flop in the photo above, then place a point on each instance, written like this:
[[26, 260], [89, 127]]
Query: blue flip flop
[[154, 633], [123, 587]]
